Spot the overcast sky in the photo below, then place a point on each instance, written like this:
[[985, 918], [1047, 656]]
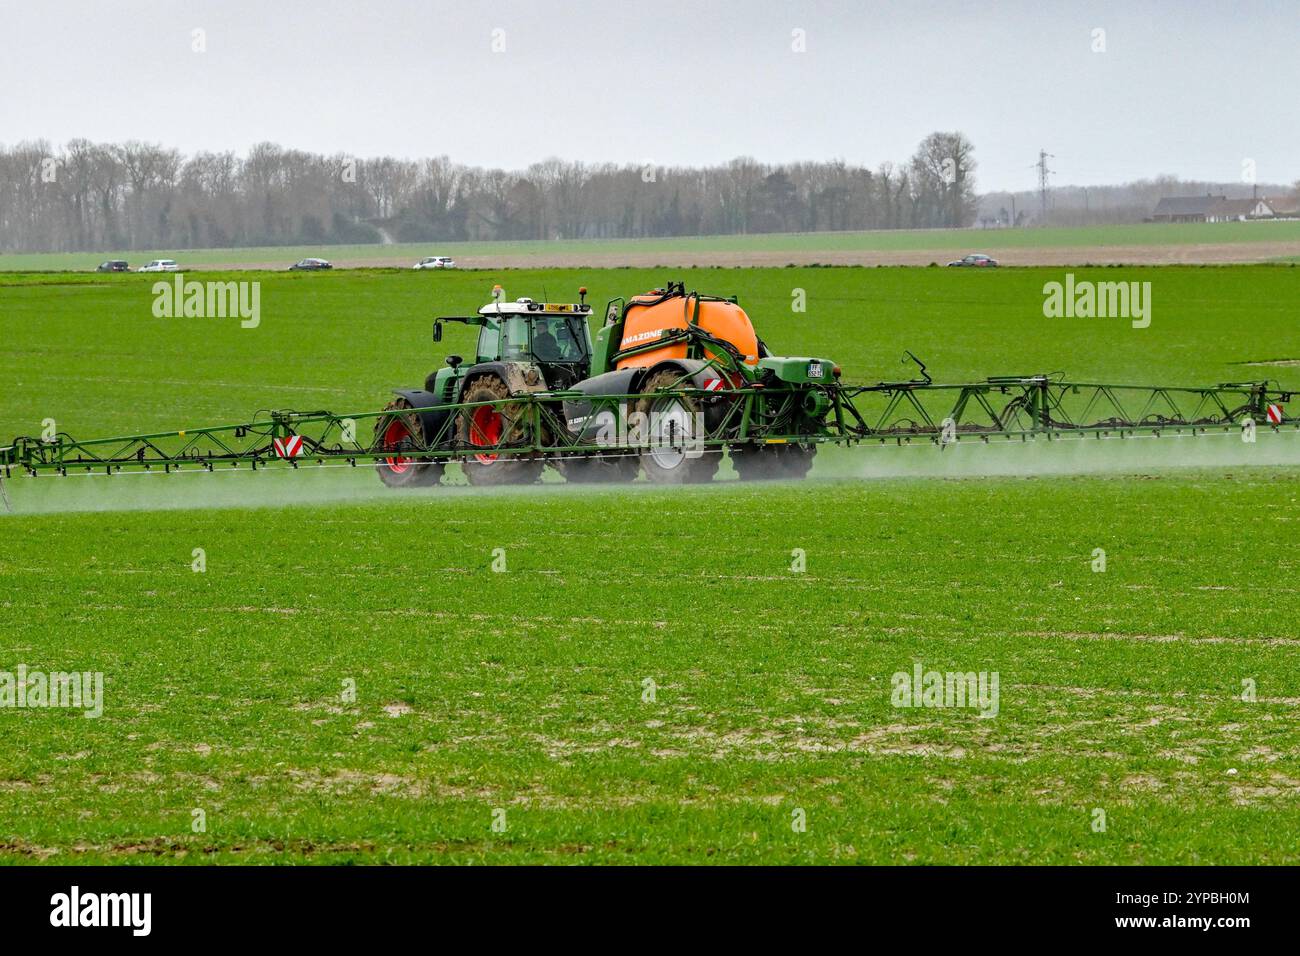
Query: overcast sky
[[1190, 88]]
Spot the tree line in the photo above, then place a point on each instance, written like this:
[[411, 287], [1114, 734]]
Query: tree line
[[88, 196]]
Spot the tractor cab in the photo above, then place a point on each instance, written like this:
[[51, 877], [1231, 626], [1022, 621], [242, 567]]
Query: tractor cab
[[544, 345], [551, 336]]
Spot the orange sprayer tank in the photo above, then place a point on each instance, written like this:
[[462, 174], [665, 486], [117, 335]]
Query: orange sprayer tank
[[648, 318]]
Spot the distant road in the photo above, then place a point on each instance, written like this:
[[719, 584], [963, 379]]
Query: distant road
[[1045, 256], [1146, 243]]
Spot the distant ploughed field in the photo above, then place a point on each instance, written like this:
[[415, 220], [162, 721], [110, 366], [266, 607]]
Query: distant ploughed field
[[1203, 253], [1140, 244]]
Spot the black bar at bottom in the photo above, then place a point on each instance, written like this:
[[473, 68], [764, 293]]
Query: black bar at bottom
[[945, 906]]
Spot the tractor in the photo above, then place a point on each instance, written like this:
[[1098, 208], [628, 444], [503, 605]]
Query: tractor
[[524, 347], [685, 367]]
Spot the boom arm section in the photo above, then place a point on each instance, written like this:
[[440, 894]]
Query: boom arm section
[[1001, 408]]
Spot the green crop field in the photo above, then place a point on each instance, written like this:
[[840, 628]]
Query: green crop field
[[567, 674], [893, 240]]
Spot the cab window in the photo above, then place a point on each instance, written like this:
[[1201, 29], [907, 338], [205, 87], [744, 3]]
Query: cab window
[[489, 343], [514, 344], [558, 339]]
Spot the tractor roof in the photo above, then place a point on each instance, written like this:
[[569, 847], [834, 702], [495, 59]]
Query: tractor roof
[[528, 306]]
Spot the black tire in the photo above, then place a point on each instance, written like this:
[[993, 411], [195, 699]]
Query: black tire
[[799, 460], [398, 432], [772, 462], [494, 426], [664, 464], [756, 462], [600, 469]]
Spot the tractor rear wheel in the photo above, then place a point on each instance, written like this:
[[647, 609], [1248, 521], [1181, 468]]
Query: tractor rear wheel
[[400, 432], [490, 426], [674, 426]]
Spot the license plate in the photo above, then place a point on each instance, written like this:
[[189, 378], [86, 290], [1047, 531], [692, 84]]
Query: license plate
[[814, 369]]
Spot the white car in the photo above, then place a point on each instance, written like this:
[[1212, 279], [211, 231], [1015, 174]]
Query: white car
[[161, 265], [436, 262]]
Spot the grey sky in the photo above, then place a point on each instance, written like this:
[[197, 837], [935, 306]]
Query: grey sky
[[1189, 88]]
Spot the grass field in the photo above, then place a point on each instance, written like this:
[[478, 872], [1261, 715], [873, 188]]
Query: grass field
[[897, 240], [526, 691]]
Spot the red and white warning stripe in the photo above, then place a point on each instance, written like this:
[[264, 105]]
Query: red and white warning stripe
[[1275, 414], [290, 447], [714, 384]]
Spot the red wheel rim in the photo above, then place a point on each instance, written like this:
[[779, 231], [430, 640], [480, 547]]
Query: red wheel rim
[[394, 434], [485, 431]]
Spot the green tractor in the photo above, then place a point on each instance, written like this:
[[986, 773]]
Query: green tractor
[[524, 348], [687, 370]]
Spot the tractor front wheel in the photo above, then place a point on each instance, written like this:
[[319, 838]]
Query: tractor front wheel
[[491, 426], [397, 433]]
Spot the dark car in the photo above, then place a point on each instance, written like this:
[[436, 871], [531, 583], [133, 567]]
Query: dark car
[[310, 265], [113, 265], [977, 259]]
